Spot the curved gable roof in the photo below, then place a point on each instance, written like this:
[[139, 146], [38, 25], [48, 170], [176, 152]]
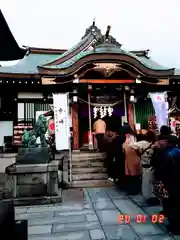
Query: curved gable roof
[[93, 33], [103, 47], [113, 53]]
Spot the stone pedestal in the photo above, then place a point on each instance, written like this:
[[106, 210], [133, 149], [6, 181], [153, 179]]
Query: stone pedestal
[[37, 155], [34, 180]]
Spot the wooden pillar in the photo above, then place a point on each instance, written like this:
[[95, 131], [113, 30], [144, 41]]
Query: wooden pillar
[[75, 125], [89, 115], [131, 115]]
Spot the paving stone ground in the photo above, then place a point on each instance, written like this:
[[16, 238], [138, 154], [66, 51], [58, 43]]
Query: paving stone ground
[[94, 216]]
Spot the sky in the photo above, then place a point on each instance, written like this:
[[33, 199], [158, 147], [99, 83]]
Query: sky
[[136, 24]]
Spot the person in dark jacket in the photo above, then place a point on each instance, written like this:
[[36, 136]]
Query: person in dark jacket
[[166, 164], [119, 156], [165, 138], [109, 147], [119, 159], [165, 131]]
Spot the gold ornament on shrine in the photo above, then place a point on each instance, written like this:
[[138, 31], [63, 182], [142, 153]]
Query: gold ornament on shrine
[[107, 69]]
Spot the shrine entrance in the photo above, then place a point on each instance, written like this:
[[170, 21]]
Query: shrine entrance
[[110, 105]]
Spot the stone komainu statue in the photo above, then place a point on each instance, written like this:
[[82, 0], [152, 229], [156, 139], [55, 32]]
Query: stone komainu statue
[[29, 137]]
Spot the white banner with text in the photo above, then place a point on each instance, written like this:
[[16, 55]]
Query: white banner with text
[[61, 121]]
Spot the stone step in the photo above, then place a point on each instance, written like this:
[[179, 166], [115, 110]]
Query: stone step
[[87, 164], [81, 158], [91, 183], [8, 155], [88, 170], [88, 159], [89, 176], [84, 164], [88, 155]]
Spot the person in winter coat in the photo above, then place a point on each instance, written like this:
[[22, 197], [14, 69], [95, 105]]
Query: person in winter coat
[[166, 164], [109, 161], [132, 164], [165, 138], [133, 152], [119, 159]]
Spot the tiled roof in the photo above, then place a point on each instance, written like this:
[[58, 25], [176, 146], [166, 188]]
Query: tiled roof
[[71, 49], [177, 72], [56, 59], [28, 65], [105, 48]]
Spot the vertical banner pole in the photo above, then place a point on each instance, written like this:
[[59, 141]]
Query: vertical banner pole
[[167, 107], [90, 126], [125, 108], [70, 150]]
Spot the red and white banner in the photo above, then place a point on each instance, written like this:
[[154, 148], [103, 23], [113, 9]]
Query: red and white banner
[[160, 107]]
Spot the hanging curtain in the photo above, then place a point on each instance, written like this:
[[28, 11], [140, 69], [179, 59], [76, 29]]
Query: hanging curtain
[[144, 110]]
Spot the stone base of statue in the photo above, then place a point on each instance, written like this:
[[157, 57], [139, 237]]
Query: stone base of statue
[[34, 183], [36, 155]]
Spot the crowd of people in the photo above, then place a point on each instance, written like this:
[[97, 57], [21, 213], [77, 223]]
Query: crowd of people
[[144, 163]]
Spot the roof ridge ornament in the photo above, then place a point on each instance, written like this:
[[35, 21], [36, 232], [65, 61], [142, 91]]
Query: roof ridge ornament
[[143, 53], [94, 22], [93, 29], [107, 32], [107, 39]]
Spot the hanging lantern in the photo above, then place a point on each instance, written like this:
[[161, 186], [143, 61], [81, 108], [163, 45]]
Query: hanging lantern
[[126, 88], [110, 111], [95, 110], [101, 112], [75, 98], [131, 98]]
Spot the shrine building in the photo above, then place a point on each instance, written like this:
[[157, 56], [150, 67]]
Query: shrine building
[[97, 73]]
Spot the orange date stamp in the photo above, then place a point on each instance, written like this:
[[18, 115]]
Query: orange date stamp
[[140, 218]]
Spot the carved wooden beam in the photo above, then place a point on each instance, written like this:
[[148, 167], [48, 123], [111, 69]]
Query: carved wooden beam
[[163, 82], [104, 81], [48, 81], [107, 68]]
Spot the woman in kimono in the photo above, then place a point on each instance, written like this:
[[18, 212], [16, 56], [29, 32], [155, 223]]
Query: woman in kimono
[[132, 165], [133, 152]]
